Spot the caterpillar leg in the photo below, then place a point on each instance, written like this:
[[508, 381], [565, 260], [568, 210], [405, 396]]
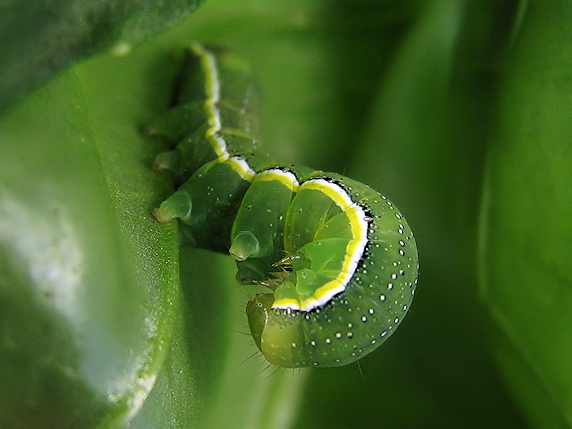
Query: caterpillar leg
[[178, 205], [244, 245], [169, 160]]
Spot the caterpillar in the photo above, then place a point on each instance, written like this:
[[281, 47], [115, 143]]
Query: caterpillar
[[338, 259]]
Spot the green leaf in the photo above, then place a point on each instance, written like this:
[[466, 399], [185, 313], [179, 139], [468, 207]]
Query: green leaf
[[402, 95], [88, 279], [39, 39], [526, 236]]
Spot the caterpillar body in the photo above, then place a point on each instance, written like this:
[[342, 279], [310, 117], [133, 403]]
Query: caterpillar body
[[338, 259]]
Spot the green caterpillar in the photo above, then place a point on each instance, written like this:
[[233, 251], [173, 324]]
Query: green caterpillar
[[338, 259]]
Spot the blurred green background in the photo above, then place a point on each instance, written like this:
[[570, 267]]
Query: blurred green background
[[457, 110]]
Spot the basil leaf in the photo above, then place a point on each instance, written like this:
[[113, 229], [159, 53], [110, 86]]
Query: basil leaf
[[88, 279], [40, 39], [525, 248]]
